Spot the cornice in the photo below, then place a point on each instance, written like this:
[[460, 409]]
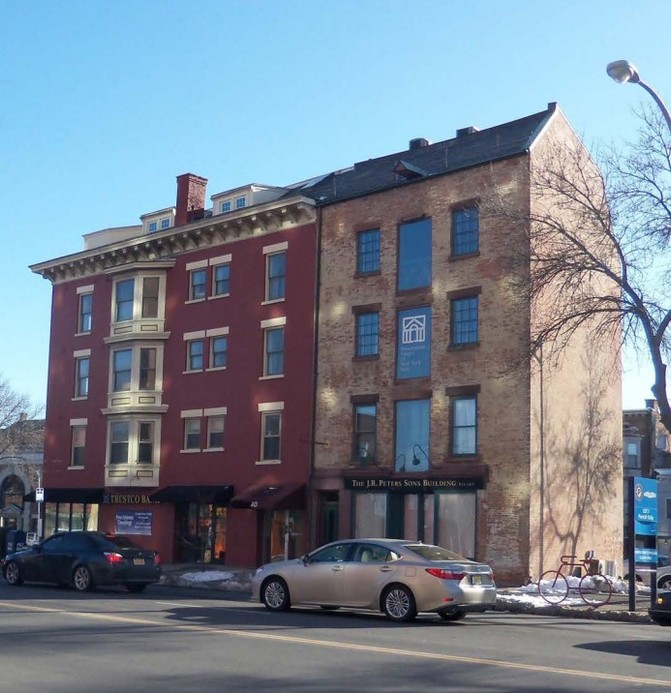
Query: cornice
[[158, 249]]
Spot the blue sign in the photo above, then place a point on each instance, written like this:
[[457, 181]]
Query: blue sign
[[133, 522], [414, 343], [645, 506], [645, 556]]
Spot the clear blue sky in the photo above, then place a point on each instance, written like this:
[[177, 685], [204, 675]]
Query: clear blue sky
[[105, 103]]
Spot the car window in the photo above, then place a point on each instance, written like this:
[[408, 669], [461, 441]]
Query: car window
[[118, 542], [372, 553], [333, 553], [74, 542], [434, 553], [52, 543]]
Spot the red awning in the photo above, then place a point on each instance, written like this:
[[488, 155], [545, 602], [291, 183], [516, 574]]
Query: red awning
[[266, 497]]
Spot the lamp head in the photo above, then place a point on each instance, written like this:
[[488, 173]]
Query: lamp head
[[623, 71]]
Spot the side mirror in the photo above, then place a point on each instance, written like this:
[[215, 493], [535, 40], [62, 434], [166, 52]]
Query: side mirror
[[305, 559]]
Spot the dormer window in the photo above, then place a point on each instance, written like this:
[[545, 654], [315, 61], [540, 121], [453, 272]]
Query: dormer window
[[225, 206], [153, 226], [165, 223], [240, 202]]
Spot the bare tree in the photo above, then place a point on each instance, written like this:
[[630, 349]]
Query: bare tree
[[599, 251], [20, 428]]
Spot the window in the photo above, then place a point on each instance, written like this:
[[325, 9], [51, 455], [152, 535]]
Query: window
[[194, 355], [464, 425], [78, 446], [271, 423], [136, 299], [222, 280], [119, 437], [125, 296], [153, 225], [412, 435], [150, 287], [197, 284], [274, 351], [225, 206], [82, 366], [276, 275], [240, 202], [165, 223], [147, 369], [122, 361], [414, 255], [668, 508], [465, 231], [85, 312], [367, 334], [218, 349], [368, 251], [464, 321], [365, 418], [192, 433], [145, 446], [215, 431], [631, 459]]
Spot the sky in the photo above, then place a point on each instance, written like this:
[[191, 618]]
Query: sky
[[105, 103]]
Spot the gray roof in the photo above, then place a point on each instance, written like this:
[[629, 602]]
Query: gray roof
[[471, 147]]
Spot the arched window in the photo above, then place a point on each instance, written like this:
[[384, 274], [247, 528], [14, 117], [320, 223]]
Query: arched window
[[11, 492]]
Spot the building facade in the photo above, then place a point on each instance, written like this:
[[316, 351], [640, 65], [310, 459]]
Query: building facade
[[180, 381], [347, 356], [426, 430]]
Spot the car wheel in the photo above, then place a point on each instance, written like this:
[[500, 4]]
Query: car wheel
[[664, 583], [135, 587], [275, 594], [13, 574], [398, 604], [82, 580], [452, 615]]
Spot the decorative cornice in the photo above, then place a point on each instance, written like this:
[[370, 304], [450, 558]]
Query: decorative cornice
[[159, 248]]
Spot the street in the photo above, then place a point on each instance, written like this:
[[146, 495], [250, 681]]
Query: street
[[170, 639]]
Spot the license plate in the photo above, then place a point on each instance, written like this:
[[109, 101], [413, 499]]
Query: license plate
[[476, 579], [138, 561]]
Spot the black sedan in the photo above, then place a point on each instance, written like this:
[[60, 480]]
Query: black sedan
[[84, 560], [661, 612]]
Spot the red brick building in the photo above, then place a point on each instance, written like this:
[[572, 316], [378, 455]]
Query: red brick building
[[179, 400]]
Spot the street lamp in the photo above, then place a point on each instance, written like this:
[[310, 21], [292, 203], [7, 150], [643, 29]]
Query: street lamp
[[623, 71]]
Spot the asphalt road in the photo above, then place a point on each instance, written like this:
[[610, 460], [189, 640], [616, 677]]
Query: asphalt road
[[169, 639]]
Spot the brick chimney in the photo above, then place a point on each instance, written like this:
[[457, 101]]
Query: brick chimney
[[190, 198]]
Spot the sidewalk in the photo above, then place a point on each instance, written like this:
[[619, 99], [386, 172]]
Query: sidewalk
[[235, 583]]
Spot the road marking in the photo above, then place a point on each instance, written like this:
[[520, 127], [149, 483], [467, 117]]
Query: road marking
[[334, 644]]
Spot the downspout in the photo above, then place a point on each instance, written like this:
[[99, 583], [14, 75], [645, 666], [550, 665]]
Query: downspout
[[311, 505]]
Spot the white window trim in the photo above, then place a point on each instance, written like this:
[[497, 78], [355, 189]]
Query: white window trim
[[137, 319], [81, 353], [273, 322], [275, 248], [79, 422], [190, 413], [270, 406], [217, 332], [134, 442], [221, 260], [135, 367], [88, 289], [198, 264], [190, 336]]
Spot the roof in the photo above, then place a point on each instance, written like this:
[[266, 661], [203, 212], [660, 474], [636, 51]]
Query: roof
[[470, 148]]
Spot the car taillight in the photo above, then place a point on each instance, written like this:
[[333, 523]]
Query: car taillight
[[444, 574], [157, 559], [113, 557]]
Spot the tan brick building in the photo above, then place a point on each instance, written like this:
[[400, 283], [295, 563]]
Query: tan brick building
[[427, 426]]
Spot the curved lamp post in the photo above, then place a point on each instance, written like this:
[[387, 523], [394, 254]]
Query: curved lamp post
[[623, 71]]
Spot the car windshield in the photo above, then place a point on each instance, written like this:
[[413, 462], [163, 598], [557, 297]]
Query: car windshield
[[434, 553]]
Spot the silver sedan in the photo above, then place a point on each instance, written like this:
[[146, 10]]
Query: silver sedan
[[398, 577]]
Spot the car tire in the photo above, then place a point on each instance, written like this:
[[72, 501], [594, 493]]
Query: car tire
[[275, 594], [398, 604], [82, 579], [13, 574], [457, 615], [135, 588], [664, 583]]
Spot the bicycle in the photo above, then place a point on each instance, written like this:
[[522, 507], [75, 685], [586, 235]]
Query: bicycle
[[594, 588]]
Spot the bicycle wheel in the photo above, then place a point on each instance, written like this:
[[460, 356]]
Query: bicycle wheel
[[553, 587], [595, 590]]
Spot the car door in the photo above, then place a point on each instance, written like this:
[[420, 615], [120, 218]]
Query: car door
[[319, 578], [38, 567], [372, 566]]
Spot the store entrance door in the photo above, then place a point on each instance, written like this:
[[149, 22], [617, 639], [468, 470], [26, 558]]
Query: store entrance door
[[200, 533]]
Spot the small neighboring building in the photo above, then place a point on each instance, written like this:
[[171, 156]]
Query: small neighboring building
[[21, 458]]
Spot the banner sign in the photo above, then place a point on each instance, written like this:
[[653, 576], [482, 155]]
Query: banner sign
[[645, 506], [414, 343], [133, 522]]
